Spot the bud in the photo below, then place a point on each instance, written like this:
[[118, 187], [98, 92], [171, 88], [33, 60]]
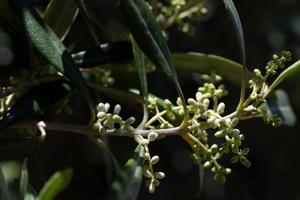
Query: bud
[[130, 120], [220, 134], [147, 174], [152, 136], [159, 175], [117, 109], [221, 108], [151, 188], [207, 164], [154, 160], [106, 106], [234, 122], [100, 114], [192, 102], [117, 118]]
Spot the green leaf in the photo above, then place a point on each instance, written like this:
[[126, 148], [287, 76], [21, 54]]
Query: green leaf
[[36, 100], [141, 68], [60, 15], [24, 180], [235, 19], [146, 32], [287, 73], [117, 52], [57, 183], [206, 63], [47, 43], [128, 182], [4, 191]]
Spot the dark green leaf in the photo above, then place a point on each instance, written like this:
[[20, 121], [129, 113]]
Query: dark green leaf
[[47, 43], [36, 100], [57, 183], [235, 19], [206, 63], [128, 182], [4, 191], [24, 180], [146, 32], [141, 68], [60, 15], [106, 53]]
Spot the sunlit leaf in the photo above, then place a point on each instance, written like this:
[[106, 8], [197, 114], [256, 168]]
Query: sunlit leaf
[[60, 15], [128, 182], [146, 32], [57, 183]]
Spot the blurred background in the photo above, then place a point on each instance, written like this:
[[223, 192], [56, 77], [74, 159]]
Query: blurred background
[[270, 26]]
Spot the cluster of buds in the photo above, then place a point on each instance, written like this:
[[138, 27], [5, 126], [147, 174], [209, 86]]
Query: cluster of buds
[[153, 178], [112, 122]]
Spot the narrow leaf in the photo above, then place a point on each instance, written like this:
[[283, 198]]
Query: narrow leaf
[[128, 182], [146, 32], [4, 191], [36, 100], [47, 43], [24, 180], [57, 183], [60, 15], [287, 73], [235, 19], [141, 68], [118, 52], [206, 63]]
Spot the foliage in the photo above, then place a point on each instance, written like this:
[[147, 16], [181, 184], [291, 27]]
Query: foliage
[[55, 74]]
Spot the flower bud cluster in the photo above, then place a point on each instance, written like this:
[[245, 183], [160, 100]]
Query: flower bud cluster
[[112, 121], [153, 178]]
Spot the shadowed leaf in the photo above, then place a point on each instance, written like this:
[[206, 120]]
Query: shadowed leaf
[[60, 15], [47, 43], [127, 184]]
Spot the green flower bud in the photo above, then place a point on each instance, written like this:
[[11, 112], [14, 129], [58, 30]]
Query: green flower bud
[[152, 136], [234, 122], [245, 161], [220, 134]]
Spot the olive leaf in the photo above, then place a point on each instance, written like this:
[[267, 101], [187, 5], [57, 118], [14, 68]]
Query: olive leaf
[[57, 183], [36, 100], [117, 52], [4, 191], [128, 182], [141, 69], [147, 34], [23, 180], [47, 43], [60, 15], [235, 19]]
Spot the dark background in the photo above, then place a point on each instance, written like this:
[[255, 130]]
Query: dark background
[[270, 26]]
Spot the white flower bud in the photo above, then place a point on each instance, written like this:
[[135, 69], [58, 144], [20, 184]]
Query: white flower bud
[[234, 122], [159, 175], [219, 134], [198, 96], [139, 139], [221, 108], [117, 118], [235, 132], [100, 114], [109, 123], [151, 188], [117, 109], [130, 120], [154, 160], [192, 102], [147, 156], [107, 106], [206, 103], [147, 173], [152, 136], [227, 171], [207, 164], [100, 107]]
